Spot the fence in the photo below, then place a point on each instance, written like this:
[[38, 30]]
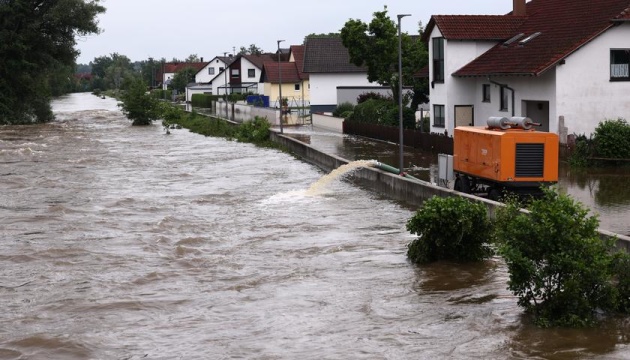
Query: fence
[[421, 140]]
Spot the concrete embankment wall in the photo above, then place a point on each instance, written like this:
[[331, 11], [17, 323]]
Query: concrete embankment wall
[[394, 186]]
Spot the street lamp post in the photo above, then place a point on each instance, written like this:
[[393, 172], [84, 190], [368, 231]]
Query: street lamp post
[[280, 84], [400, 106], [225, 70]]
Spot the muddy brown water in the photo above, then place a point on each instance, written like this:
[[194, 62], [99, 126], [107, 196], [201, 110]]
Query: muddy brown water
[[118, 242]]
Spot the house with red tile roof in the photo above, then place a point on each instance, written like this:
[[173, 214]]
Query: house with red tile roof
[[168, 70], [327, 62], [563, 63], [210, 77], [241, 76], [295, 82]]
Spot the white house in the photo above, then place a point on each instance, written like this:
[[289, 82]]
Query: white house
[[327, 63], [232, 74], [210, 77], [562, 63]]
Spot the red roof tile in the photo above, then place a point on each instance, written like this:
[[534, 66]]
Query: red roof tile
[[564, 26], [259, 60], [475, 27], [289, 70], [175, 67], [298, 56]]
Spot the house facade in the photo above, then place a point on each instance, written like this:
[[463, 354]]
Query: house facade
[[295, 83], [562, 63], [209, 78], [230, 74], [327, 63]]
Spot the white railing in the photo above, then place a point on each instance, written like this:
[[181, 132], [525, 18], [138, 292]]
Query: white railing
[[619, 70]]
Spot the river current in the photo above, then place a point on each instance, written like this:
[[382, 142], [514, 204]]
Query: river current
[[121, 242]]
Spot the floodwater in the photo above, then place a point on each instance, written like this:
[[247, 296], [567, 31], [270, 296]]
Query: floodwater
[[120, 242]]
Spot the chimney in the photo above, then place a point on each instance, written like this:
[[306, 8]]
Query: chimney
[[201, 59], [519, 8]]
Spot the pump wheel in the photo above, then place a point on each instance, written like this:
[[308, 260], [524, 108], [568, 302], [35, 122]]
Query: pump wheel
[[462, 184], [494, 194]]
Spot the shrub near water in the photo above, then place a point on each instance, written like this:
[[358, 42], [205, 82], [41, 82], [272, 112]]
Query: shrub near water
[[560, 269], [612, 139], [451, 228]]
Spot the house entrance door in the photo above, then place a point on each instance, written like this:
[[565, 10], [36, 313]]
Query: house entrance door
[[464, 115], [538, 111]]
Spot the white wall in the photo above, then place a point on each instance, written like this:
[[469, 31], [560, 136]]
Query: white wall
[[329, 123], [247, 65], [586, 96], [218, 81], [324, 86], [454, 91], [203, 76]]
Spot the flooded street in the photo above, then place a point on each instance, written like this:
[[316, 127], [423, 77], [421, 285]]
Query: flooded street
[[120, 242]]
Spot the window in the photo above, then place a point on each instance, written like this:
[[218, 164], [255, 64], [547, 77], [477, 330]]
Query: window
[[236, 73], [438, 115], [620, 65], [486, 93], [251, 73], [297, 87], [210, 71], [504, 99], [438, 60], [221, 69]]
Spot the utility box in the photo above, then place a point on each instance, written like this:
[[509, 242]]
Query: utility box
[[509, 157], [445, 169]]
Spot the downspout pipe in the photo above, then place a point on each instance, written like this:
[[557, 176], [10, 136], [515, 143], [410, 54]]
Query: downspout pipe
[[507, 87]]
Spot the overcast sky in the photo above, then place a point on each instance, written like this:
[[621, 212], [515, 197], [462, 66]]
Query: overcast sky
[[141, 29]]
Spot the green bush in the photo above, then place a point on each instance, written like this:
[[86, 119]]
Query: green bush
[[612, 139], [342, 108], [392, 117], [372, 96], [234, 97], [383, 112], [560, 269], [582, 150], [162, 94], [203, 100], [255, 131], [370, 111], [451, 228]]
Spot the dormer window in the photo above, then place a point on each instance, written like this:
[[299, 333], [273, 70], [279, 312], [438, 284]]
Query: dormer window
[[620, 65]]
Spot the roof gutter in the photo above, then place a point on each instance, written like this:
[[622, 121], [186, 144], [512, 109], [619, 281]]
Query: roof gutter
[[507, 87]]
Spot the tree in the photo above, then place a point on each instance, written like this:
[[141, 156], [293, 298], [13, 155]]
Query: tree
[[375, 46], [148, 69], [119, 69], [192, 58], [251, 50], [138, 105], [318, 35], [36, 38], [182, 78], [561, 270], [100, 64]]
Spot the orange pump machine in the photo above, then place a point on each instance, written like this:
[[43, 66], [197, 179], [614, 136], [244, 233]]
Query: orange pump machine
[[508, 154]]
